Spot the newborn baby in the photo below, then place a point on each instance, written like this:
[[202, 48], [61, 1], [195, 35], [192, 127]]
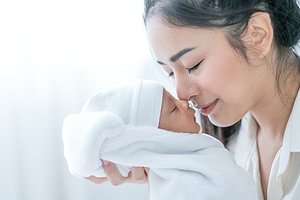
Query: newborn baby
[[126, 126]]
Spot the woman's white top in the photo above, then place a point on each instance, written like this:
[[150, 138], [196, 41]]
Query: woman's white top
[[284, 180]]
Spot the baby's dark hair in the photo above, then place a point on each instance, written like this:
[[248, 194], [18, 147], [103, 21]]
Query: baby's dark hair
[[233, 17]]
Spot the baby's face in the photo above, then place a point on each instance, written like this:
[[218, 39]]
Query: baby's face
[[177, 116]]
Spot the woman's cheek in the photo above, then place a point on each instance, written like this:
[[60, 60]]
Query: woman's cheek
[[208, 80]]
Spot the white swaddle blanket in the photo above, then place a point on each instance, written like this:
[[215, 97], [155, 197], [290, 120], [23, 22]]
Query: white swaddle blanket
[[182, 166]]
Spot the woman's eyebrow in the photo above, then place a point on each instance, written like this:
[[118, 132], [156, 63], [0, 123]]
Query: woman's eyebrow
[[175, 57]]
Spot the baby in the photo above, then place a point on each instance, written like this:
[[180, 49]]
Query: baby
[[141, 124], [145, 103]]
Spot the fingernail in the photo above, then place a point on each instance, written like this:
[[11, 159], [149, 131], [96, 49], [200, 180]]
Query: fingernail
[[105, 162]]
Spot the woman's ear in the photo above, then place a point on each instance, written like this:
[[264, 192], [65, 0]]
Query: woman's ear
[[259, 33]]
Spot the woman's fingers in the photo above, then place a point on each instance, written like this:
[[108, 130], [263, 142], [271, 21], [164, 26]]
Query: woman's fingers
[[147, 170], [137, 175], [147, 173], [112, 173], [97, 180]]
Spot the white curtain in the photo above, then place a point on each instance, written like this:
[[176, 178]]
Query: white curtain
[[53, 56]]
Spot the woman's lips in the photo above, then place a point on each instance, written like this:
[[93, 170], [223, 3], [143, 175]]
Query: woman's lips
[[206, 109]]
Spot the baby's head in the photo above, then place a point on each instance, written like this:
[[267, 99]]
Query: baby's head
[[146, 103], [176, 115]]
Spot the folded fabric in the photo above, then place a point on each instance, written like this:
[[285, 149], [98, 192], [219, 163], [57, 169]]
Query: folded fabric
[[130, 102], [182, 166]]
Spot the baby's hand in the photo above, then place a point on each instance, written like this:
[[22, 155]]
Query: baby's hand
[[136, 175]]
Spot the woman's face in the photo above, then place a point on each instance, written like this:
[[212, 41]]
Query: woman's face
[[176, 115], [206, 70]]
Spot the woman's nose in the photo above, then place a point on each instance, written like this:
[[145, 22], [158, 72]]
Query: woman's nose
[[184, 103], [185, 86], [182, 87]]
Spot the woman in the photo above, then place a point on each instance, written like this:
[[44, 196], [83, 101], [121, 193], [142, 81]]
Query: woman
[[234, 60]]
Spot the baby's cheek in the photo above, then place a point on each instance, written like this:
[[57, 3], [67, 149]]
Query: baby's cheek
[[196, 128]]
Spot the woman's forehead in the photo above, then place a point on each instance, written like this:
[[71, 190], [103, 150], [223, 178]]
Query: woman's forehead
[[166, 41], [160, 26]]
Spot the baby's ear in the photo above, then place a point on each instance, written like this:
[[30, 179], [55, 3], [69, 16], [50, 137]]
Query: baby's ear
[[259, 33]]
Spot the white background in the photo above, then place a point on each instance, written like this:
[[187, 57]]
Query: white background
[[53, 56]]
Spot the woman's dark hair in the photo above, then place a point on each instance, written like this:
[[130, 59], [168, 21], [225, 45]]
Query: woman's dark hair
[[233, 16]]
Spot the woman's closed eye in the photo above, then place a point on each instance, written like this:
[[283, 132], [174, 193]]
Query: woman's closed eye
[[190, 70], [194, 68]]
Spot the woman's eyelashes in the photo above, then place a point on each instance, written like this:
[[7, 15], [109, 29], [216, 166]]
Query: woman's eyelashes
[[190, 70], [171, 74]]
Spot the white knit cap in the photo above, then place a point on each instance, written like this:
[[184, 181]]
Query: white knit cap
[[137, 103]]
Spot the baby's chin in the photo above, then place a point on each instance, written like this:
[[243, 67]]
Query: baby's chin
[[197, 128], [193, 128]]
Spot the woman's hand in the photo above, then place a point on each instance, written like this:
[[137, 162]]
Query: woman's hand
[[136, 175]]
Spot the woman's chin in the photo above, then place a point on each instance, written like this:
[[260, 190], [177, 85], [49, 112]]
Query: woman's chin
[[224, 122]]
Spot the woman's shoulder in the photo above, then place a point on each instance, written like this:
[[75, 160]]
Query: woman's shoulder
[[292, 131]]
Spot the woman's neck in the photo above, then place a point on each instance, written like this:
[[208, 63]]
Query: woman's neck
[[273, 110]]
